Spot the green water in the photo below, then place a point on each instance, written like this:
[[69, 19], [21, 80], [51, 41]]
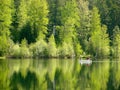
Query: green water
[[59, 75]]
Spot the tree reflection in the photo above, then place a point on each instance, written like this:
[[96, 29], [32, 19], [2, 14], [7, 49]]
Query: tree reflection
[[58, 75], [4, 72], [99, 76], [114, 77], [93, 77], [19, 82]]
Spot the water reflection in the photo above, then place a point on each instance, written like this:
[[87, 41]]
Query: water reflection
[[4, 82], [58, 75], [19, 82], [114, 77]]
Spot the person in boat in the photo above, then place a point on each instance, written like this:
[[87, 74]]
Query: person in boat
[[88, 58]]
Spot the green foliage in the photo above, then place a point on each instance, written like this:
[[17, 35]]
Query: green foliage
[[83, 31], [5, 21], [24, 50], [39, 49], [29, 19], [109, 11], [116, 42], [66, 50], [95, 32], [69, 19], [65, 19], [78, 50], [20, 21], [38, 12], [39, 20], [15, 52], [15, 20], [20, 51], [4, 45], [99, 41], [22, 14], [105, 42], [95, 21], [51, 48], [5, 16], [114, 15]]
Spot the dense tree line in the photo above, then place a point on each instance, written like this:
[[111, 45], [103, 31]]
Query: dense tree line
[[59, 28]]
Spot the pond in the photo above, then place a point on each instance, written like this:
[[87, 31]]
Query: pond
[[59, 75]]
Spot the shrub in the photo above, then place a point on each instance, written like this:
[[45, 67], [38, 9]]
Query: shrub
[[39, 48], [24, 50], [66, 50], [15, 51]]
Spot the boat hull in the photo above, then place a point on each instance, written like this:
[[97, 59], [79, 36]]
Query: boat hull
[[85, 61]]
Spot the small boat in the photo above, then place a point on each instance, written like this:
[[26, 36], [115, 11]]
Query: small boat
[[87, 61]]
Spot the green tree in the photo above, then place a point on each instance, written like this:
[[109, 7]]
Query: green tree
[[66, 50], [5, 21], [20, 27], [63, 18], [52, 50], [4, 45], [22, 15], [64, 24], [109, 13], [69, 20], [38, 20], [113, 14], [54, 21], [116, 42], [105, 42], [29, 20], [83, 31], [19, 16], [95, 32], [99, 38], [5, 16], [77, 50]]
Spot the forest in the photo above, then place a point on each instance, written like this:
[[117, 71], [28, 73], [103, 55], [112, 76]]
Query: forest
[[59, 28]]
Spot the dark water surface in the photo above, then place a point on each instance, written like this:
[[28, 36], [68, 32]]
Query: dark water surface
[[59, 75]]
